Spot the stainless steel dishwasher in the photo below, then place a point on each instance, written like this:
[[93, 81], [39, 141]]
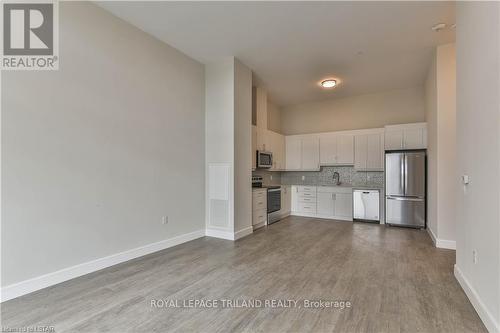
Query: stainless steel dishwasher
[[366, 205]]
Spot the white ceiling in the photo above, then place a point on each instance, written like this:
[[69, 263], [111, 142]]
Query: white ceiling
[[290, 46]]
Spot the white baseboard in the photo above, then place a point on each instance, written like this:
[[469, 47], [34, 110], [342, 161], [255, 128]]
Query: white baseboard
[[489, 321], [219, 233], [225, 234], [442, 243], [433, 237], [317, 216], [243, 232], [65, 274], [446, 244]]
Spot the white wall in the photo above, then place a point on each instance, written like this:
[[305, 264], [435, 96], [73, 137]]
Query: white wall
[[478, 142], [228, 142], [219, 147], [431, 113], [273, 117], [440, 93], [356, 112], [242, 147], [94, 154]]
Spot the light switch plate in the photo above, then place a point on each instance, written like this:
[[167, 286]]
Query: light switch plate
[[465, 179]]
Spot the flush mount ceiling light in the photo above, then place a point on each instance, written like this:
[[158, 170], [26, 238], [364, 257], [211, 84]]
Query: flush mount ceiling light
[[330, 83]]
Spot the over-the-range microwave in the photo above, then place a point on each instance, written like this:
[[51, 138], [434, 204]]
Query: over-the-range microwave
[[264, 159]]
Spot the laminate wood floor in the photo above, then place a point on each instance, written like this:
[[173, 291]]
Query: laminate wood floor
[[395, 279]]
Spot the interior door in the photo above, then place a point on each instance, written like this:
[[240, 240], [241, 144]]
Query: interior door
[[414, 180], [394, 174]]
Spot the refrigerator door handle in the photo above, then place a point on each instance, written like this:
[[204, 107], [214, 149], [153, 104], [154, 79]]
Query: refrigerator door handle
[[403, 173], [404, 198]]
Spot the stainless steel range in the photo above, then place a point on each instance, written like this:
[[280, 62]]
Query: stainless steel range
[[273, 199]]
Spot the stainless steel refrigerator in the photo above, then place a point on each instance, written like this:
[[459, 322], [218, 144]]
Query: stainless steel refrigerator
[[405, 179]]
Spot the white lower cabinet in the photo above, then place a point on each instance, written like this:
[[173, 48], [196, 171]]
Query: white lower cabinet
[[259, 207], [322, 201], [326, 204], [286, 201], [343, 206]]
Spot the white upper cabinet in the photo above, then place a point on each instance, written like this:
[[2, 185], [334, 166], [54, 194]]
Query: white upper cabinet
[[415, 138], [302, 152], [406, 136], [369, 152], [275, 143], [328, 148], [393, 139], [375, 152], [280, 150], [336, 149], [310, 152], [360, 151], [293, 145], [345, 149], [362, 148]]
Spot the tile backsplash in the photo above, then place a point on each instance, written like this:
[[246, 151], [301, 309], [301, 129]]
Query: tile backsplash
[[269, 177], [348, 176]]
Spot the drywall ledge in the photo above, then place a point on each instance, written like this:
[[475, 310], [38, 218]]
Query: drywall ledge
[[482, 311], [50, 279]]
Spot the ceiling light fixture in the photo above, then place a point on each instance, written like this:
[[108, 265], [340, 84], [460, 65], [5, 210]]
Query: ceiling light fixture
[[330, 83]]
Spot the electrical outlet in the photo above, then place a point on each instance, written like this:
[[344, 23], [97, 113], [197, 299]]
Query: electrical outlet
[[303, 178], [271, 177], [164, 220], [474, 256]]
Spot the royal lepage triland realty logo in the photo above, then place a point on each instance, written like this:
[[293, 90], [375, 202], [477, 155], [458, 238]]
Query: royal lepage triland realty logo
[[30, 35]]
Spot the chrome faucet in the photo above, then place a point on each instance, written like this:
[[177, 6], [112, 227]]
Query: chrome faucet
[[336, 178]]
